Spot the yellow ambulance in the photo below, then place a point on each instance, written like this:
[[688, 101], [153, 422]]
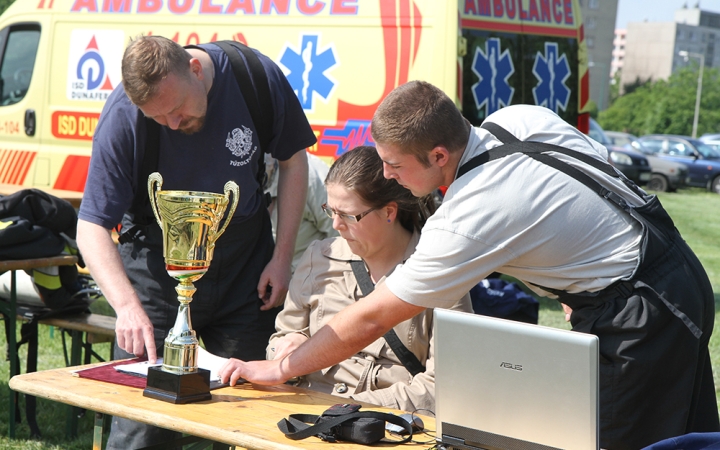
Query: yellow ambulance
[[60, 59]]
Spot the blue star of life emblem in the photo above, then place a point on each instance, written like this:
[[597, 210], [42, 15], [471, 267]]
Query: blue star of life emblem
[[552, 72], [493, 68], [305, 70]]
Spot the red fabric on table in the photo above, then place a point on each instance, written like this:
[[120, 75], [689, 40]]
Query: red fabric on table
[[108, 374]]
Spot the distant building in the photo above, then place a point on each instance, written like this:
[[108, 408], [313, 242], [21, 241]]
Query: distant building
[[618, 53], [651, 48], [599, 23]]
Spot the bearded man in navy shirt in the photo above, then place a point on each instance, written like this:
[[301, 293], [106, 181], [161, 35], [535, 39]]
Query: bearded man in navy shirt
[[206, 138]]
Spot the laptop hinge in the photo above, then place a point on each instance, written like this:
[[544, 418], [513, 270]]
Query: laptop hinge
[[452, 440], [482, 440], [454, 443]]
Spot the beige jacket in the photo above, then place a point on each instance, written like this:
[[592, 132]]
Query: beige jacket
[[324, 284]]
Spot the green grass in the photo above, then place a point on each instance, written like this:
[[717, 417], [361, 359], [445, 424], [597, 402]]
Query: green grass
[[51, 416], [694, 211]]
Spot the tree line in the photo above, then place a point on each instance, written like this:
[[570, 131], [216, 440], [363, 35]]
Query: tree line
[[666, 106], [4, 5]]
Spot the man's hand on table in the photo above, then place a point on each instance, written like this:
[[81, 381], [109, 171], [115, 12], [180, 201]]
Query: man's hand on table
[[134, 332], [257, 372]]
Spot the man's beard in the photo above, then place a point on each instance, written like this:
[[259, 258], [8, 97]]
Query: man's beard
[[192, 126]]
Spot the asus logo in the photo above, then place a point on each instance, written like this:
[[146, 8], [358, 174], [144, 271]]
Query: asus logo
[[507, 365]]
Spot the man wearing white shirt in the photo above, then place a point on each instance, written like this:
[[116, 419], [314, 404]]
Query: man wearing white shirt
[[546, 208]]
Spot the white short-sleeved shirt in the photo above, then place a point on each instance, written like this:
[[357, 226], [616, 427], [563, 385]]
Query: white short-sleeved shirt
[[522, 218]]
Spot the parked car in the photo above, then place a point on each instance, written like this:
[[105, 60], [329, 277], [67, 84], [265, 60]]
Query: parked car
[[632, 164], [702, 160], [667, 176], [620, 139], [713, 140]]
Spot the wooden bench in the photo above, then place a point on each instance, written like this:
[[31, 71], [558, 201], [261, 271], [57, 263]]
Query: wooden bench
[[9, 310], [84, 329], [96, 328]]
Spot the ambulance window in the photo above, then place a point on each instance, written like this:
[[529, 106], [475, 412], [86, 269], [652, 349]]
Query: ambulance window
[[19, 46]]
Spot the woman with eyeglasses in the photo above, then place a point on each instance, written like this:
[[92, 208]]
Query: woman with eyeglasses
[[379, 223]]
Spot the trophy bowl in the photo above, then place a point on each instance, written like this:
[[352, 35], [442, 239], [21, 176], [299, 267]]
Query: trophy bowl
[[190, 223]]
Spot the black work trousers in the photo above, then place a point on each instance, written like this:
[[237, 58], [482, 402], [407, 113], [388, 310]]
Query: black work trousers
[[656, 378]]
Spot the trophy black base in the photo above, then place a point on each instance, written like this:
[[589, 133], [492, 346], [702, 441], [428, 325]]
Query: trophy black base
[[178, 388]]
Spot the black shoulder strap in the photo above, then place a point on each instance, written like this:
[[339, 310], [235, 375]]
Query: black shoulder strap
[[538, 151], [408, 358], [296, 426], [362, 277]]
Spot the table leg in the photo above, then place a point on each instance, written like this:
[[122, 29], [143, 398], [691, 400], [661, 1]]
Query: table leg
[[29, 335], [75, 356], [10, 318], [98, 431]]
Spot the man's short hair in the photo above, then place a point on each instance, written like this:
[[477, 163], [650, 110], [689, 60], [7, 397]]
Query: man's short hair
[[147, 61], [418, 117]]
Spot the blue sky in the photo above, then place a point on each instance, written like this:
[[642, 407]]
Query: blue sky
[[656, 10]]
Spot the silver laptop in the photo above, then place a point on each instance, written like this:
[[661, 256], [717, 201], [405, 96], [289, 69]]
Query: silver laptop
[[507, 385]]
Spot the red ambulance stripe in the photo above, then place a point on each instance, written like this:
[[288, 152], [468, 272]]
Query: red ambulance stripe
[[390, 40], [389, 25], [514, 28], [10, 166], [584, 89], [73, 173], [26, 169], [405, 41], [12, 163], [13, 170], [399, 46], [18, 169], [4, 155], [417, 27]]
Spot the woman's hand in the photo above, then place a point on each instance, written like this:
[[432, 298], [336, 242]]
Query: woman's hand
[[288, 343]]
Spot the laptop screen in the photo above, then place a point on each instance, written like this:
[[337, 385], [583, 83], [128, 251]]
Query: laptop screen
[[501, 384]]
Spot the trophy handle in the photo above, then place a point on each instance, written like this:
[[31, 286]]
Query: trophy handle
[[230, 186], [154, 178]]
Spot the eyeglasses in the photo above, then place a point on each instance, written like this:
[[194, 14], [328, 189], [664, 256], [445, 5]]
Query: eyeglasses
[[346, 217]]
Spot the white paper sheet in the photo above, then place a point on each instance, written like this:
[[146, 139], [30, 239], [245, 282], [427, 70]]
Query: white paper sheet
[[206, 360]]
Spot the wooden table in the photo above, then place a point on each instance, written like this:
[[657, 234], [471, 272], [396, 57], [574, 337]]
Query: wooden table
[[71, 196], [10, 311], [244, 415]]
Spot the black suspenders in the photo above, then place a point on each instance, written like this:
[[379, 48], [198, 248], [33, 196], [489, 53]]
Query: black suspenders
[[406, 357], [660, 225], [538, 151]]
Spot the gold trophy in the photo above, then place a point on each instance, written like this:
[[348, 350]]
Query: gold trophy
[[189, 222]]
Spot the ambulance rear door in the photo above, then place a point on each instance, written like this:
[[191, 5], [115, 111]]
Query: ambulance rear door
[[523, 52]]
